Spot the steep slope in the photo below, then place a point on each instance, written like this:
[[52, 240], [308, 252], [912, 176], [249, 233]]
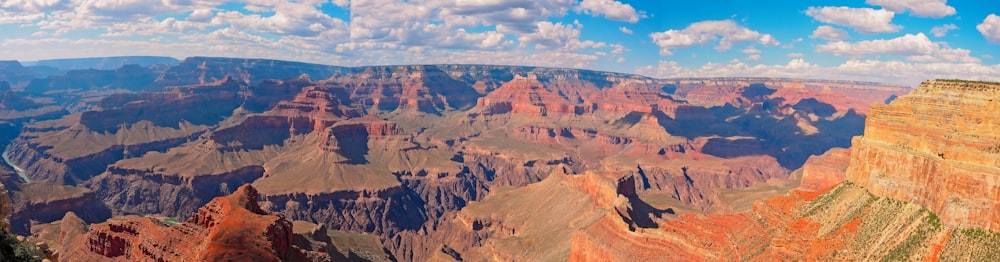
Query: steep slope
[[228, 228], [938, 147]]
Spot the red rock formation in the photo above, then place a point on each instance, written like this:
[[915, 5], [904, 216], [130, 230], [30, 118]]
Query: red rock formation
[[826, 170], [228, 228], [936, 147]]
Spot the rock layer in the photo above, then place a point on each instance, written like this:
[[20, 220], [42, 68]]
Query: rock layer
[[938, 147], [228, 228]]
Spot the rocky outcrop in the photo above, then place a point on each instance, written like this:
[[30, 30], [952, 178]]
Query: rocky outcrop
[[228, 228], [826, 170], [6, 209], [42, 202], [936, 147]]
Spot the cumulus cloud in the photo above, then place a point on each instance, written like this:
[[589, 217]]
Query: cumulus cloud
[[288, 19], [200, 15], [518, 16], [35, 6], [726, 32], [942, 30], [990, 28], [921, 8], [917, 48], [625, 30], [865, 20], [610, 9], [795, 55], [829, 33]]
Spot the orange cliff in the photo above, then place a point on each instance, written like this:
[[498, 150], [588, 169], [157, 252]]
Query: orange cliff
[[226, 229], [826, 170], [938, 147]]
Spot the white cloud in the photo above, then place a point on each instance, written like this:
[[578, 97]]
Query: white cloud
[[551, 35], [19, 19], [866, 20], [795, 55], [917, 48], [610, 9], [726, 32], [200, 15], [829, 33], [625, 30], [35, 6], [921, 8], [990, 28], [861, 70], [518, 16], [753, 54], [942, 30]]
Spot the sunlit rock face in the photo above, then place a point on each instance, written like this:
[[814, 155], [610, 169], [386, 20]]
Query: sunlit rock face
[[938, 147]]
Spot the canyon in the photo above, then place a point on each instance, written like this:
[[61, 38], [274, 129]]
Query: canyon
[[158, 159]]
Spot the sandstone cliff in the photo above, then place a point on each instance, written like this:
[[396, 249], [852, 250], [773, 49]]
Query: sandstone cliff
[[228, 228], [938, 147]]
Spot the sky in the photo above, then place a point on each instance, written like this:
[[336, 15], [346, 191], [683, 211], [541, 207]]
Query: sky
[[894, 41]]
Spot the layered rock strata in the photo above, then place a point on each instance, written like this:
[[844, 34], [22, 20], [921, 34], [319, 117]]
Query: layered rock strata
[[938, 147]]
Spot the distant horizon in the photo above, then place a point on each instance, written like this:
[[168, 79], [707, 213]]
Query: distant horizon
[[868, 40], [31, 63]]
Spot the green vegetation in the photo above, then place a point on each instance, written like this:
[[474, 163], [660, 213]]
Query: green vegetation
[[972, 244], [934, 220], [981, 235], [917, 240], [13, 250], [171, 221], [824, 200], [968, 81]]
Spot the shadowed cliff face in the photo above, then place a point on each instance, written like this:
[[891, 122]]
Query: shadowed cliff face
[[399, 152]]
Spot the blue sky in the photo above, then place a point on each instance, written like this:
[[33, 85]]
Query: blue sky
[[898, 41]]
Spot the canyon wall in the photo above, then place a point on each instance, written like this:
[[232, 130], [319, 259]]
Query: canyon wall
[[938, 147]]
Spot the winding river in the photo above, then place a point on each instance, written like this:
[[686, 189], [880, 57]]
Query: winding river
[[20, 172]]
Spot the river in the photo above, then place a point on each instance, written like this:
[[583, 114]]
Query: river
[[20, 172]]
